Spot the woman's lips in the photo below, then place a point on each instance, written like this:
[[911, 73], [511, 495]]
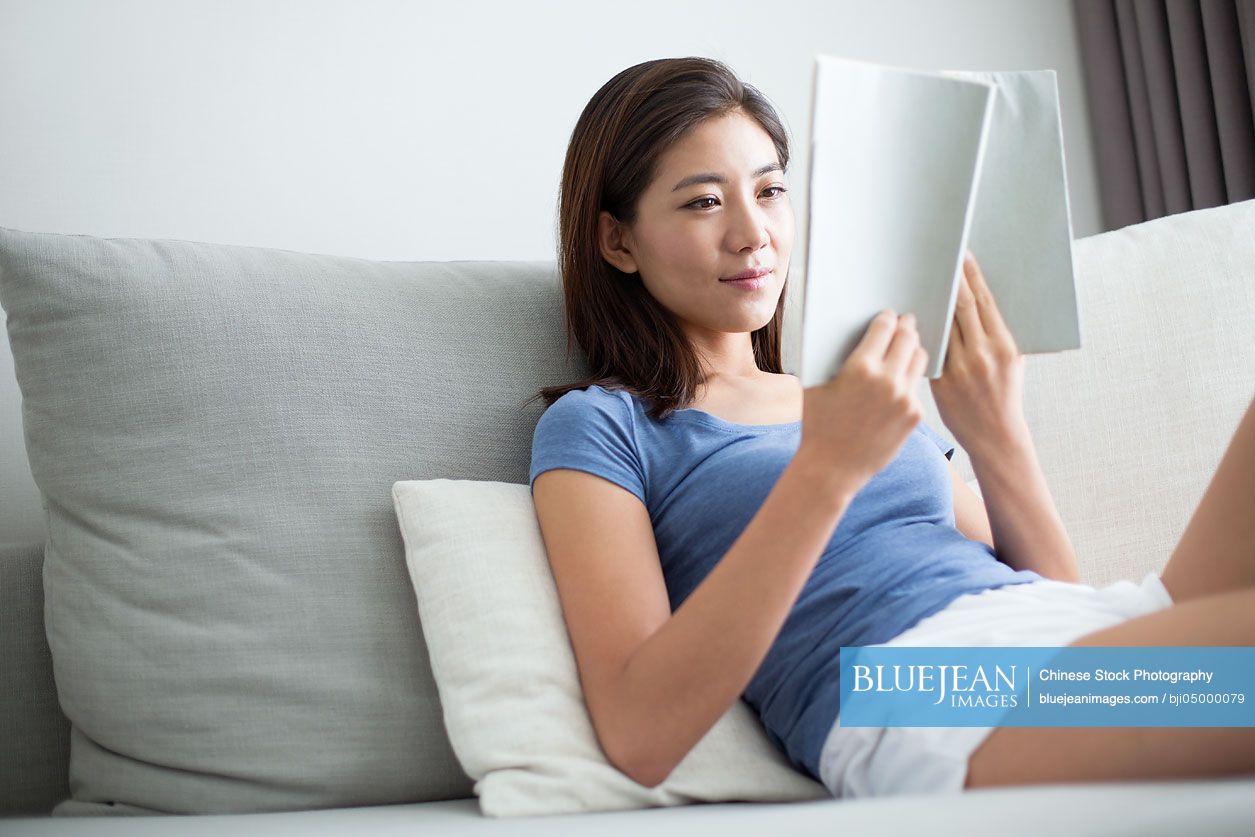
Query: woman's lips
[[748, 284]]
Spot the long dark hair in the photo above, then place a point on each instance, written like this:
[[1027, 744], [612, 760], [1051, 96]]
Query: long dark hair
[[629, 340]]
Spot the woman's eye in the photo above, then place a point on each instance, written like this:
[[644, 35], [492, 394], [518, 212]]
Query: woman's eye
[[700, 203]]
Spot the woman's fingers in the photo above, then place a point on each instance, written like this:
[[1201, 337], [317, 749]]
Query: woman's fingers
[[986, 305], [878, 334], [905, 339], [919, 360], [956, 333], [966, 316]]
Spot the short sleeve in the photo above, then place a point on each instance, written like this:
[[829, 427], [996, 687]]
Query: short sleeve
[[589, 430], [937, 439]]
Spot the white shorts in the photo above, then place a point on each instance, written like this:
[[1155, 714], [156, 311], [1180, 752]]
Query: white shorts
[[883, 761]]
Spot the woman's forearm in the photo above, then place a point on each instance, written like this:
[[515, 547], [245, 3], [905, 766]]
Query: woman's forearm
[[1027, 531], [686, 675]]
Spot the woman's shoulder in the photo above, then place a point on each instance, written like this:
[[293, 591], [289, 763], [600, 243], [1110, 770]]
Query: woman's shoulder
[[590, 429], [592, 396], [594, 403]]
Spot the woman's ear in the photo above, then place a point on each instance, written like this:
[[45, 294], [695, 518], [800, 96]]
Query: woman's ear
[[611, 235]]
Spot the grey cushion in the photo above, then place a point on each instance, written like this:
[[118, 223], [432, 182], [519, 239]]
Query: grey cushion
[[215, 431]]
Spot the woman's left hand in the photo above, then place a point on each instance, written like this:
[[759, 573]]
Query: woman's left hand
[[980, 392]]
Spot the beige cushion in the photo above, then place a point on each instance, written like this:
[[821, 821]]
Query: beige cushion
[[508, 680]]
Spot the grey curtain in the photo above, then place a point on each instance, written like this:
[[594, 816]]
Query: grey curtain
[[1170, 86]]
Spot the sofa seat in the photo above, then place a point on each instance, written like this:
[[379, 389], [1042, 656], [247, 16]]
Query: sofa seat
[[1216, 807]]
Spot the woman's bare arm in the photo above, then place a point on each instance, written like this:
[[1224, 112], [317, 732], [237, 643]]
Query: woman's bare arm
[[980, 398], [656, 682], [1028, 533]]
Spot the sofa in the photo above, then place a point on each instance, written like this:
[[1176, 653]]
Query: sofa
[[211, 626]]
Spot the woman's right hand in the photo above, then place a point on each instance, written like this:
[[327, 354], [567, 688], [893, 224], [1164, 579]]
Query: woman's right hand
[[858, 421]]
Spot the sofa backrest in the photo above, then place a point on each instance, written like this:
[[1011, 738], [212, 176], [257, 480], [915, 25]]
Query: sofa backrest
[[1128, 431]]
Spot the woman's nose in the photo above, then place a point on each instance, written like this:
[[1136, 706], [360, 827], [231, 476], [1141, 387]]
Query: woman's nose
[[750, 229]]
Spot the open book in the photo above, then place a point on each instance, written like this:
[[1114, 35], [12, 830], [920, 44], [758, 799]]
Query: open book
[[907, 170]]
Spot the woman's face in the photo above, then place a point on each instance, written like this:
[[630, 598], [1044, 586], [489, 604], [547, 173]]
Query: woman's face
[[717, 207]]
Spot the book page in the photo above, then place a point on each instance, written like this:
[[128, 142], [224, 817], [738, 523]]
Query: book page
[[895, 158], [1021, 232]]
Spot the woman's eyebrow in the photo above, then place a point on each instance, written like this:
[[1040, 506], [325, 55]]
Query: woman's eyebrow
[[718, 178]]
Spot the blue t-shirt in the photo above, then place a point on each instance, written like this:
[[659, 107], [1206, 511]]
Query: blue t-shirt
[[894, 558]]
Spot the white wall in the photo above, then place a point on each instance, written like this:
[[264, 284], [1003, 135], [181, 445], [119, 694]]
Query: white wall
[[406, 130]]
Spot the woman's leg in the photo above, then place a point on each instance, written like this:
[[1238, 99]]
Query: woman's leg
[[1211, 578], [1031, 755], [1216, 553]]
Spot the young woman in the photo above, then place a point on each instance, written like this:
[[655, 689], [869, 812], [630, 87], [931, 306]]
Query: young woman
[[716, 531]]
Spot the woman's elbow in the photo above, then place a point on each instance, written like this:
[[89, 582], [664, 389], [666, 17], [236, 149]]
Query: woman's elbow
[[647, 774], [636, 761]]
